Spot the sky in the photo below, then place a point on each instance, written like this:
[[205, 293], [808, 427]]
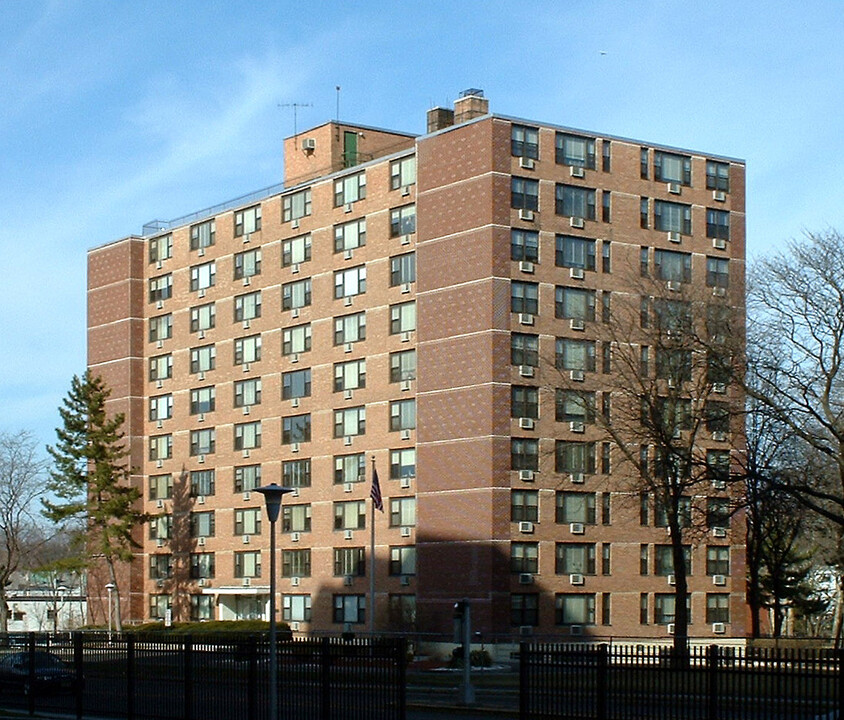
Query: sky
[[113, 114]]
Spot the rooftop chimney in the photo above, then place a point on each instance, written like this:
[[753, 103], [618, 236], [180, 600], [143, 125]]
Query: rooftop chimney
[[469, 105], [439, 118]]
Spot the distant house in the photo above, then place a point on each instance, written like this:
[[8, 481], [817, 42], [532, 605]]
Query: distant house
[[47, 602]]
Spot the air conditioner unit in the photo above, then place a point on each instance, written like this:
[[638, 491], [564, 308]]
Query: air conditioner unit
[[247, 281], [294, 447], [525, 630], [576, 630], [719, 485], [294, 402], [405, 482], [719, 436], [526, 370], [526, 475], [200, 499], [405, 385], [294, 581], [525, 579], [159, 503], [576, 222], [526, 319], [527, 163], [159, 583], [159, 463], [576, 171], [159, 344], [405, 580], [525, 526], [718, 628], [202, 375], [526, 266], [577, 528], [672, 383], [672, 580], [576, 426], [202, 582], [347, 440], [577, 375], [674, 237], [159, 383], [348, 580], [719, 532], [159, 542], [247, 495], [246, 237], [719, 195], [347, 347], [405, 337], [719, 244], [405, 532], [405, 191], [246, 410], [576, 273], [405, 239], [577, 478], [245, 539], [309, 144], [719, 388], [526, 423], [295, 267], [670, 628], [405, 288], [677, 434], [247, 582], [348, 534], [719, 579], [719, 292], [674, 188], [526, 215], [576, 579], [294, 312], [245, 324], [295, 493], [347, 487], [202, 292], [347, 394], [200, 541], [347, 254], [577, 324], [405, 434], [201, 459], [295, 536], [348, 208], [245, 367], [159, 304], [295, 625]]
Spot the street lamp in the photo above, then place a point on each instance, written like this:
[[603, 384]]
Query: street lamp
[[109, 588], [273, 494]]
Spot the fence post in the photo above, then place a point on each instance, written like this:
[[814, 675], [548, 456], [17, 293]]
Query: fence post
[[188, 650], [325, 677], [252, 678], [524, 679], [602, 680], [78, 671], [130, 675], [402, 668], [30, 695], [712, 682]]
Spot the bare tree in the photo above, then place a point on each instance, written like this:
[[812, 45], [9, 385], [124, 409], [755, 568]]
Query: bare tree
[[21, 483]]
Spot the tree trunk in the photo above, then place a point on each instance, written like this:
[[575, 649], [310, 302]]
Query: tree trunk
[[4, 612], [838, 621], [681, 613], [753, 599], [118, 621]]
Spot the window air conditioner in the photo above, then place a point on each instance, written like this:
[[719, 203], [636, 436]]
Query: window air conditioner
[[405, 434], [525, 526], [295, 493], [405, 532], [719, 292], [576, 171], [347, 440], [247, 582], [525, 319], [159, 383], [719, 485], [200, 541], [674, 188], [670, 628], [405, 288], [719, 579], [577, 478], [527, 163], [526, 266], [159, 463], [526, 215], [577, 528], [405, 337], [294, 581], [347, 487], [405, 580], [348, 580], [245, 539], [576, 222], [525, 579], [347, 394], [577, 324], [405, 482], [294, 402], [294, 447], [294, 312], [719, 244], [201, 459], [245, 367], [576, 630], [159, 503], [576, 426], [672, 580], [576, 273], [405, 191], [577, 375], [159, 542], [576, 579], [202, 582], [719, 532], [348, 535], [526, 370], [674, 237], [525, 630], [247, 495], [405, 385], [526, 423], [309, 144], [526, 475], [348, 208], [719, 436], [295, 537], [719, 388], [245, 324], [405, 239], [294, 224], [719, 195], [718, 628]]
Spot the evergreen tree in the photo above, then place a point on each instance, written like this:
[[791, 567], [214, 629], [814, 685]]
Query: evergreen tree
[[91, 476]]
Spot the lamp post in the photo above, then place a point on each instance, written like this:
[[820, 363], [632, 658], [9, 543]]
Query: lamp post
[[273, 494], [60, 590], [109, 588]]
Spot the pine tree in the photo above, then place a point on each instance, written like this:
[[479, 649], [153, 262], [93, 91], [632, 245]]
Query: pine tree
[[91, 476]]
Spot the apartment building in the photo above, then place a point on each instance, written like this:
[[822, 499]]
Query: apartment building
[[423, 303]]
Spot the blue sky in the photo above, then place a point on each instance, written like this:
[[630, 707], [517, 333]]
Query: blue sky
[[116, 113]]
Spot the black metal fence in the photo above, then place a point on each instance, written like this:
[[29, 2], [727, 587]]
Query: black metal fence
[[198, 677], [710, 683]]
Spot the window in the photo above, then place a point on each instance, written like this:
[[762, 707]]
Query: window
[[161, 367], [247, 349], [673, 266], [644, 556], [247, 522], [672, 217], [575, 252], [202, 234], [606, 264], [349, 561], [524, 245], [350, 515], [296, 384], [575, 507], [524, 557], [403, 512], [296, 429], [575, 354], [664, 605], [295, 251], [349, 375], [349, 609], [202, 565], [664, 559], [606, 469], [349, 189], [161, 527], [718, 465], [402, 269], [574, 609], [160, 288], [643, 163], [247, 564], [350, 235], [524, 142], [247, 436], [247, 306], [161, 327], [524, 194], [717, 415], [160, 248], [296, 563], [296, 205], [674, 364], [403, 172], [644, 212], [247, 264], [402, 318], [575, 151], [203, 276], [672, 316], [160, 447], [247, 478], [524, 609], [348, 283], [606, 559], [403, 560], [576, 202], [717, 272], [349, 468], [402, 463], [524, 402], [717, 176], [161, 407], [296, 473], [672, 168], [574, 303], [403, 221], [717, 224], [524, 297], [524, 349], [296, 518], [524, 454], [606, 155], [296, 295], [202, 524], [296, 339], [296, 608], [201, 608], [202, 442], [575, 559], [158, 606], [202, 482], [717, 560], [574, 406], [160, 566], [202, 317], [160, 487], [606, 206], [349, 422], [717, 608], [524, 505], [202, 359], [350, 328], [684, 513], [717, 512], [247, 392], [403, 366], [574, 457], [643, 608]]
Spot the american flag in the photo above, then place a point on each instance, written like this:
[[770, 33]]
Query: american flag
[[375, 492]]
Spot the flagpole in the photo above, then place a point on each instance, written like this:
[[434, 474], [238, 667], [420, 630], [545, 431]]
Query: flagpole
[[372, 556]]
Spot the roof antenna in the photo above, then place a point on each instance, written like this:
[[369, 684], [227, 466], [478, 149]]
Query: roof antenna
[[337, 88], [295, 107]]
